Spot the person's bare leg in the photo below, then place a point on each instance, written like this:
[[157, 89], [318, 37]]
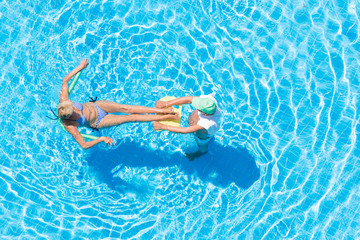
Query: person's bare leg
[[113, 120], [191, 156], [113, 107], [203, 146], [203, 149]]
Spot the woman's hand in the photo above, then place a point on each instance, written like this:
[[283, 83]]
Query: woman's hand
[[161, 104], [158, 126], [107, 140], [84, 63]]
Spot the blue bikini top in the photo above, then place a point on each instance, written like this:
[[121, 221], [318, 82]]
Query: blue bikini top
[[82, 119]]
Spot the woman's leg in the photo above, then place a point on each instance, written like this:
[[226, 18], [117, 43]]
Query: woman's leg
[[113, 120], [113, 107]]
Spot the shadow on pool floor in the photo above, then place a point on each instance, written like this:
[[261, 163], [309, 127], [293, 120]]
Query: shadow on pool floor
[[221, 165]]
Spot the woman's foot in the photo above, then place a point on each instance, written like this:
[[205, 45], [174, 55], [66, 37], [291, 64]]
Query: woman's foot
[[169, 110], [174, 116]]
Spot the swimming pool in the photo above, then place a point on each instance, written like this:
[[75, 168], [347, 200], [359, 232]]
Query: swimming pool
[[283, 165]]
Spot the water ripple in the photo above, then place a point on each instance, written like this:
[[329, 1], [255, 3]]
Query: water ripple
[[286, 77]]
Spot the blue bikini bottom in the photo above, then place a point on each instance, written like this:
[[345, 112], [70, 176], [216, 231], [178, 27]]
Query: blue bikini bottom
[[101, 114]]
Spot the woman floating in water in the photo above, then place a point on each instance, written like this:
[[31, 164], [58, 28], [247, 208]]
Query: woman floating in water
[[98, 114], [204, 122]]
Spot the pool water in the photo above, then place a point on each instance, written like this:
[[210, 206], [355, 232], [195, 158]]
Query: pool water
[[284, 164]]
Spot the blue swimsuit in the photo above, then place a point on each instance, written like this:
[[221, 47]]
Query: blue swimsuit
[[82, 120]]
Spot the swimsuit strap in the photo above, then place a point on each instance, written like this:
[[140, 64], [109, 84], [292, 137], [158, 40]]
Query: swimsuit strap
[[94, 129], [92, 99]]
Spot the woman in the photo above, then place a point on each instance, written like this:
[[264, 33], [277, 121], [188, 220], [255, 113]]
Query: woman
[[98, 114]]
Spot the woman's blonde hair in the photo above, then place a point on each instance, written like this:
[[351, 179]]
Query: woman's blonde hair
[[65, 109]]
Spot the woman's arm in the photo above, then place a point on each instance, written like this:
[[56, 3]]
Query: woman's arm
[[177, 101], [81, 141], [160, 126], [64, 94]]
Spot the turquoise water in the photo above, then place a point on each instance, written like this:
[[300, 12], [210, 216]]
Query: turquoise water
[[283, 166]]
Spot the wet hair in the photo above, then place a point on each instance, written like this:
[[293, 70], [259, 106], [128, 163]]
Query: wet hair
[[65, 109]]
